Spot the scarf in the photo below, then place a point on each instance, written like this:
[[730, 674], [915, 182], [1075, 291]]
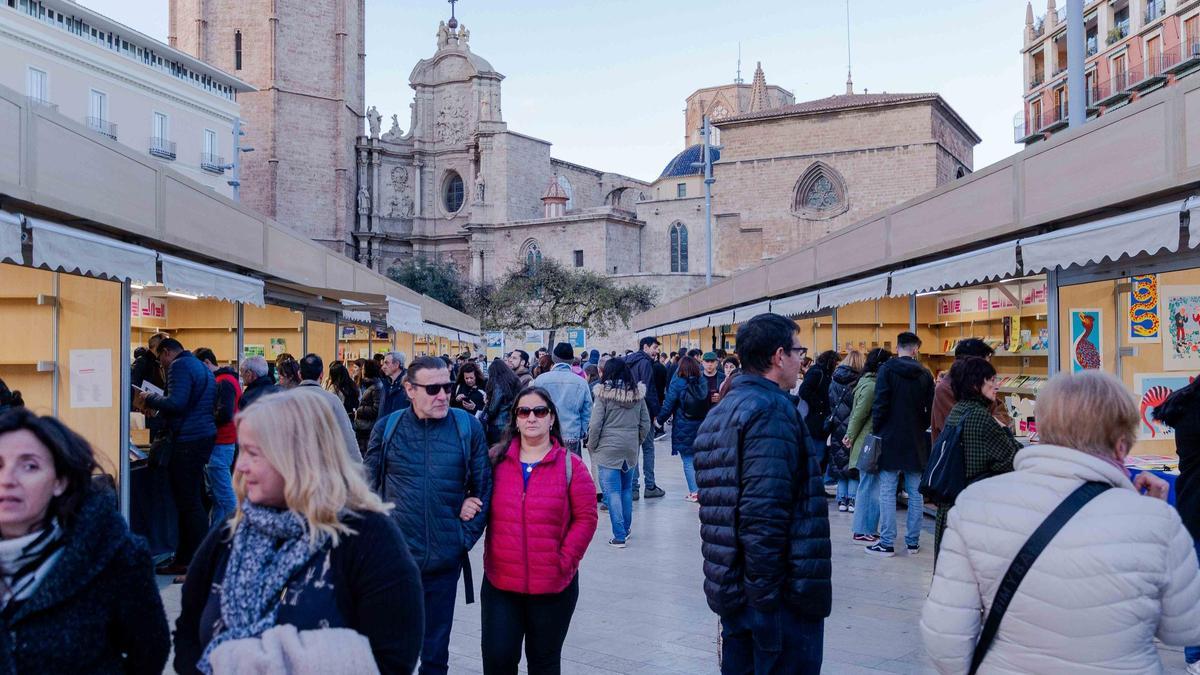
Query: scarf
[[25, 561], [269, 547]]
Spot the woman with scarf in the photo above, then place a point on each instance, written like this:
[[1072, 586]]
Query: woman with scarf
[[310, 569]]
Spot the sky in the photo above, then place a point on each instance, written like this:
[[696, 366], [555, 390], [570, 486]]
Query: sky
[[605, 81]]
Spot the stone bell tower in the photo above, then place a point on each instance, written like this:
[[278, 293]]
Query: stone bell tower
[[306, 58]]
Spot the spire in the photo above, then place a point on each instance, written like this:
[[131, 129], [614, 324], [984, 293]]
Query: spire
[[849, 83], [849, 80], [1051, 13], [738, 79], [758, 90], [1029, 13], [554, 199]]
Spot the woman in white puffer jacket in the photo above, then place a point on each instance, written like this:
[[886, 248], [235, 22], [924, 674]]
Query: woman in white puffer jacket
[[1121, 572]]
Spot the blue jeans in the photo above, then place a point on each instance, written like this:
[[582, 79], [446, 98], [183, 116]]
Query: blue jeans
[[689, 472], [618, 497], [866, 504], [775, 642], [441, 590], [1192, 654], [888, 480], [847, 488], [220, 483], [647, 464]]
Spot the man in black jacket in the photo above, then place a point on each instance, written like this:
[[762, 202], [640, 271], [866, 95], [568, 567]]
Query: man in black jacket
[[900, 417], [394, 398], [764, 523], [641, 366], [256, 380]]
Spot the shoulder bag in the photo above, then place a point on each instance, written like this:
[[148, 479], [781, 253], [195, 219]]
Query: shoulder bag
[[868, 457]]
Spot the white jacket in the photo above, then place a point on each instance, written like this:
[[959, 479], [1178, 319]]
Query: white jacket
[[1120, 573]]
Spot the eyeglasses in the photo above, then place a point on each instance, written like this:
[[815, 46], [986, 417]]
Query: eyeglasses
[[538, 412], [433, 389], [796, 348]]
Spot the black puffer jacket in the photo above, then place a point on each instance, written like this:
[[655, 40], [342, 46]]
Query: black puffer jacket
[[841, 403], [424, 472], [901, 413], [188, 405], [98, 609], [765, 538], [814, 391], [641, 366], [1181, 410]]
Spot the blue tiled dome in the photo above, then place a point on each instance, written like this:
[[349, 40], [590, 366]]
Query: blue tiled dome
[[682, 164]]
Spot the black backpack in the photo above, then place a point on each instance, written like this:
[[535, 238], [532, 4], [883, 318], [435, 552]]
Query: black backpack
[[694, 401], [946, 475]]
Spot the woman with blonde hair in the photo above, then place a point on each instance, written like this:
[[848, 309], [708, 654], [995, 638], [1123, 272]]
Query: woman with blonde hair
[[310, 549], [1115, 571]]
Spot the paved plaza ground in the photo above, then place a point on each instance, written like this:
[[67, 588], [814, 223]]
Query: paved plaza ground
[[642, 609]]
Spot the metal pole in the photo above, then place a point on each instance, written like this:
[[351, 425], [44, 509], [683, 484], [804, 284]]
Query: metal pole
[[1052, 323], [236, 181], [1076, 89], [708, 181], [912, 313], [241, 334], [126, 394]]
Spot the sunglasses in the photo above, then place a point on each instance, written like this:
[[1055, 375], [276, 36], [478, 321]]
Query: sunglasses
[[538, 412], [433, 389]]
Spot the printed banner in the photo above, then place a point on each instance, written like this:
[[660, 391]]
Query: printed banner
[[495, 344], [1143, 310], [1180, 308], [577, 337], [534, 340], [147, 307], [1087, 339]]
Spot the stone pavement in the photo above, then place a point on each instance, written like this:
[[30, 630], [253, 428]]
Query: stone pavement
[[642, 609]]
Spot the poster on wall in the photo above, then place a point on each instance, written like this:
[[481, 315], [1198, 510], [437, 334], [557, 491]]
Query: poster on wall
[[278, 347], [1151, 389], [1143, 310], [253, 350], [348, 332], [147, 307], [1087, 341], [576, 337], [91, 378], [1179, 307], [495, 344], [534, 340]]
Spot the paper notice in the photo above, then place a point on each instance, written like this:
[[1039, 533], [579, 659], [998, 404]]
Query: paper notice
[[91, 378]]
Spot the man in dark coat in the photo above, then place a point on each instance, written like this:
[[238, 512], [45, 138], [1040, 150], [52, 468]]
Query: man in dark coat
[[395, 397], [147, 369], [900, 417], [764, 523], [641, 366], [434, 467], [256, 378]]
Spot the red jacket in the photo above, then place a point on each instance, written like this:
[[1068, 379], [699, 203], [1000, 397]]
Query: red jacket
[[230, 403], [536, 536]]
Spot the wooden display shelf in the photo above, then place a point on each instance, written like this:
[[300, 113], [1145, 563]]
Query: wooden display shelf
[[43, 366], [45, 299], [1023, 391], [1042, 354]]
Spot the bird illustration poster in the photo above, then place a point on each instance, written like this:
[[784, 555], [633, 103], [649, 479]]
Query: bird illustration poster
[[1087, 341], [1151, 390], [1143, 310], [1180, 309]]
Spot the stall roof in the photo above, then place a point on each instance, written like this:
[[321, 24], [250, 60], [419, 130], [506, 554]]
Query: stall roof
[[49, 166]]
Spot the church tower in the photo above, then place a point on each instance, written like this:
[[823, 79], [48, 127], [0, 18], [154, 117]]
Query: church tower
[[306, 58]]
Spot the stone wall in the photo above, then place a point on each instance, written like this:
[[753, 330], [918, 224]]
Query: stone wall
[[521, 168], [659, 216]]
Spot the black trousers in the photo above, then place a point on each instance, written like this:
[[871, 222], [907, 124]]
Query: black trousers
[[185, 469], [541, 621]]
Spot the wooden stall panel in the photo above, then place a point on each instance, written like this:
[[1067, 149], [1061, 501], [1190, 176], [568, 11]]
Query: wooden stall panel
[[322, 341], [20, 351]]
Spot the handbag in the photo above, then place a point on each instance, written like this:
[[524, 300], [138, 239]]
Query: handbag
[[1025, 558], [868, 457]]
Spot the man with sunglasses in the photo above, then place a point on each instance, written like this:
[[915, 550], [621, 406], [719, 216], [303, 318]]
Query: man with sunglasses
[[571, 396], [764, 519], [432, 463]]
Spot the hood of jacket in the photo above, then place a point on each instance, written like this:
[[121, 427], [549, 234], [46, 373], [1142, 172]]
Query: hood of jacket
[[226, 370], [844, 374], [906, 367], [638, 357], [624, 397]]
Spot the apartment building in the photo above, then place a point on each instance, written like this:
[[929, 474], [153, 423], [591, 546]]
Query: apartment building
[[1132, 47], [123, 85]]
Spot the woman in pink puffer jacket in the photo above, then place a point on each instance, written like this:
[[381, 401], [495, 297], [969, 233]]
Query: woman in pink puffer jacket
[[542, 518]]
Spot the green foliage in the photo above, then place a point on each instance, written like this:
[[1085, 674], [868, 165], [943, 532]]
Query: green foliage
[[437, 278]]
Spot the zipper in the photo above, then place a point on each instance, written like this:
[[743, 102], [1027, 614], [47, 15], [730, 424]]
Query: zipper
[[428, 496], [524, 530]]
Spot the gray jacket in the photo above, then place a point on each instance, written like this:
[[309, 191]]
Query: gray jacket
[[620, 422]]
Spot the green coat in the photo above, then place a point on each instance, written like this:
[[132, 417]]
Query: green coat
[[859, 425]]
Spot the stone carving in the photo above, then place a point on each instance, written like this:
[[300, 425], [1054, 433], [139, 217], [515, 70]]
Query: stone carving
[[443, 35], [364, 200], [373, 119], [394, 134], [479, 189], [464, 37], [451, 125], [401, 203]]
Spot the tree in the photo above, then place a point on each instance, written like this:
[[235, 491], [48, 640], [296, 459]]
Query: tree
[[437, 278], [550, 295]]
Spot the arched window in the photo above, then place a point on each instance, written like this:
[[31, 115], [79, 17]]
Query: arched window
[[566, 186], [531, 253], [820, 193], [453, 194], [237, 50], [679, 248], [962, 171]]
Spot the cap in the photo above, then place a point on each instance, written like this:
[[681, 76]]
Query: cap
[[563, 351], [710, 356]]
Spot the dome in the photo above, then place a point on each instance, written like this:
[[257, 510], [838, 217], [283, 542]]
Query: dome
[[682, 164]]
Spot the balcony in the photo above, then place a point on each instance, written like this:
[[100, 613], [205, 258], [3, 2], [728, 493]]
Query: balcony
[[1149, 74], [1118, 32], [1110, 92], [1182, 58], [212, 163], [1036, 81], [102, 126], [162, 148], [1155, 9], [1053, 119]]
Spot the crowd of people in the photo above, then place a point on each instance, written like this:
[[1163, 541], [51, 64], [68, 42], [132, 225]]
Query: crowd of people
[[326, 518]]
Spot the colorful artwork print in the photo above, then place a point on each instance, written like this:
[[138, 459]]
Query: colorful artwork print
[[1179, 309], [1086, 340], [1143, 309], [1151, 390]]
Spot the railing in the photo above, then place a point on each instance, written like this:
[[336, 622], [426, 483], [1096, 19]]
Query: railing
[[1036, 81], [102, 126], [1093, 46], [162, 148], [1133, 76], [1052, 116], [1058, 70], [1118, 32], [1155, 9], [212, 163]]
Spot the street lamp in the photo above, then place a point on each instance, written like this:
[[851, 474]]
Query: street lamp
[[236, 164], [706, 134]]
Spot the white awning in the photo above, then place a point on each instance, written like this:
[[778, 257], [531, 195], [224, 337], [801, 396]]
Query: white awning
[[870, 288], [10, 237], [185, 276], [1150, 230], [720, 318], [742, 314], [404, 316], [67, 249], [795, 305], [994, 261], [698, 324], [1193, 208]]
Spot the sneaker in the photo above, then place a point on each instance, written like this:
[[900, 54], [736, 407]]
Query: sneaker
[[850, 505], [616, 543], [655, 492], [842, 506], [603, 506], [693, 497], [660, 434], [866, 538], [637, 494], [914, 549], [1193, 668], [881, 551]]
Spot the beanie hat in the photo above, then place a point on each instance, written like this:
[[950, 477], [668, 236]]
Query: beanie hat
[[563, 353]]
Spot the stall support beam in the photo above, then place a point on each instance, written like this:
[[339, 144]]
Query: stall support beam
[[241, 333], [912, 313], [1052, 326], [304, 338], [834, 328], [126, 394]]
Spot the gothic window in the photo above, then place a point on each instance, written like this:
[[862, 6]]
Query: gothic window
[[532, 255], [566, 187], [820, 194], [679, 248], [237, 50], [962, 171], [454, 193]]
